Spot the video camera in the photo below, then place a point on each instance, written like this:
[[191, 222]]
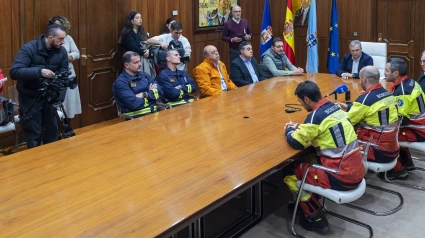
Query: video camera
[[158, 54], [50, 88]]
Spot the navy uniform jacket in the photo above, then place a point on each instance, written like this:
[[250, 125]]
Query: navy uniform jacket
[[127, 86], [421, 81], [169, 80], [346, 65]]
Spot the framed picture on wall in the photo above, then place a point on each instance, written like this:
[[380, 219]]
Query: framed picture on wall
[[301, 12], [212, 14]]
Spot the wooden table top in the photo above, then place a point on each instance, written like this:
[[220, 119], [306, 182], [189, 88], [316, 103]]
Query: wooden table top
[[143, 177]]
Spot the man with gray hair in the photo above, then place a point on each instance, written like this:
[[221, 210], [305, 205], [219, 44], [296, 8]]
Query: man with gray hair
[[352, 63], [176, 84], [371, 111], [421, 79]]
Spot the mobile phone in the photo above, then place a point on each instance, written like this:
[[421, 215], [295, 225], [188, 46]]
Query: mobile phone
[[240, 36]]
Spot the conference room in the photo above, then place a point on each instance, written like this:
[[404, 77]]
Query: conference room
[[214, 166]]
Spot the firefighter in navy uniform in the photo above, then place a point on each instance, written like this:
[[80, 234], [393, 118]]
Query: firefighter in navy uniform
[[332, 134], [177, 84], [135, 92], [411, 105], [373, 112]]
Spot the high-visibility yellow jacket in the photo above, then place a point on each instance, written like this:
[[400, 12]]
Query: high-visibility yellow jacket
[[332, 134]]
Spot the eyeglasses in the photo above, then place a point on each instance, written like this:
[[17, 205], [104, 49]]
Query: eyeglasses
[[177, 32], [248, 49], [278, 46], [421, 61]]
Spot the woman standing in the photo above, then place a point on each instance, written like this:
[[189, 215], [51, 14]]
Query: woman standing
[[168, 23], [133, 38], [72, 102]]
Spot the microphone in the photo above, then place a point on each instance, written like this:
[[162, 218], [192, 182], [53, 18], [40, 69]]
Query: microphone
[[340, 89]]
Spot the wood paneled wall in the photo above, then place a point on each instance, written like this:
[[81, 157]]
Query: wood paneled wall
[[24, 20]]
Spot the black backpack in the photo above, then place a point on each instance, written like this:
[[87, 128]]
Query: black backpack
[[6, 111]]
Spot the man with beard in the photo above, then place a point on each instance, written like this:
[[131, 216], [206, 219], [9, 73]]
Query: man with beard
[[135, 92], [38, 59], [331, 133], [274, 62]]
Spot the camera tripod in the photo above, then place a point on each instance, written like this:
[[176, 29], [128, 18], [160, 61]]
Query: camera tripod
[[64, 127]]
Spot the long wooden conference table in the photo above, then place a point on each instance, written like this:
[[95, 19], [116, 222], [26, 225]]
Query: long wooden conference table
[[152, 176]]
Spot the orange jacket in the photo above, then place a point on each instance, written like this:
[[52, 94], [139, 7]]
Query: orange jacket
[[208, 78]]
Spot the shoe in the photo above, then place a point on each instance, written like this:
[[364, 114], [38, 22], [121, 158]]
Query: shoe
[[291, 208], [410, 168], [318, 223], [391, 175]]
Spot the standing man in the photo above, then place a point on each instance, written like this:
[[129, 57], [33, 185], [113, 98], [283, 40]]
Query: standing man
[[329, 130], [211, 75], [176, 84], [135, 91], [38, 59], [301, 15], [236, 31], [274, 62], [352, 63], [373, 110], [244, 69], [411, 105], [176, 31]]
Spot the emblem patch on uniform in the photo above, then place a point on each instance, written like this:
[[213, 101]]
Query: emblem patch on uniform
[[400, 102], [171, 80], [133, 85]]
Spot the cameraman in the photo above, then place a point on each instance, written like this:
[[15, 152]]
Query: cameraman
[[175, 34], [39, 59]]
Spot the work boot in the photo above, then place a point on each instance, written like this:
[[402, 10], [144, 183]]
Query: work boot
[[317, 222], [392, 175]]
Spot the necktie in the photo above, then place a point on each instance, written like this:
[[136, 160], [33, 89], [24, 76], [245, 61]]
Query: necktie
[[300, 18]]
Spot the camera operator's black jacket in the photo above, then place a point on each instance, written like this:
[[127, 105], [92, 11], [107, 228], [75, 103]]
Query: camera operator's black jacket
[[31, 58]]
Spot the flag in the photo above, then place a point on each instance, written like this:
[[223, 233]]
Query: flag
[[288, 34], [266, 35], [333, 50], [312, 50]]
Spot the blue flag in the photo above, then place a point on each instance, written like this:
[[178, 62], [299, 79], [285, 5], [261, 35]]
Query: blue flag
[[333, 50], [266, 34], [312, 52]]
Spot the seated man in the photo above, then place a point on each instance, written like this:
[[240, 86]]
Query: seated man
[[352, 63], [244, 69], [373, 110], [177, 84], [135, 91], [274, 62], [211, 75], [175, 34], [329, 130], [411, 105]]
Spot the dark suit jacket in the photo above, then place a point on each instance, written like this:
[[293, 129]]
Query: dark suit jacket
[[239, 73], [297, 17], [347, 64], [421, 81]]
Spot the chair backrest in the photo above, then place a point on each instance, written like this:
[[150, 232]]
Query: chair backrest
[[378, 52]]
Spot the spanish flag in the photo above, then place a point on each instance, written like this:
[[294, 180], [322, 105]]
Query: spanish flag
[[288, 34]]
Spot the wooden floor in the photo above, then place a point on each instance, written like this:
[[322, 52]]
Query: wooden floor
[[86, 129]]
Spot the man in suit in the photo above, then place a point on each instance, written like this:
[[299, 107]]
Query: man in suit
[[244, 70], [352, 63], [301, 15], [421, 79]]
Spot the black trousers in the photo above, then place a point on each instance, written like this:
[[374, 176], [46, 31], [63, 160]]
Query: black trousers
[[233, 54], [35, 118]]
